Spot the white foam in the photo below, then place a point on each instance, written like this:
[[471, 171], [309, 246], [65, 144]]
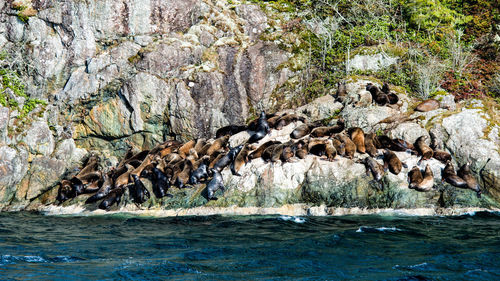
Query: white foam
[[381, 229], [293, 218]]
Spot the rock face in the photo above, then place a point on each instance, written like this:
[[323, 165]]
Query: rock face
[[117, 74]]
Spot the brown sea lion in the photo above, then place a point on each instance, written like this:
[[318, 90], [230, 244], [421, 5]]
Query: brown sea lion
[[287, 119], [301, 131], [300, 148], [287, 154], [258, 152], [184, 150], [358, 138], [220, 143], [442, 156], [392, 162], [277, 152], [350, 147], [465, 173], [383, 141], [370, 144], [169, 149], [166, 144], [427, 105], [341, 92], [423, 149], [330, 150], [241, 159], [124, 178], [427, 184], [172, 158], [267, 154], [137, 171], [182, 178], [323, 131], [415, 177], [401, 145], [448, 174], [200, 143], [339, 146], [375, 168], [316, 147]]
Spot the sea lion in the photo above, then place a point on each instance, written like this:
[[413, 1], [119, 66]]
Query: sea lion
[[199, 145], [114, 196], [423, 149], [218, 144], [137, 171], [427, 183], [301, 131], [376, 168], [350, 147], [339, 146], [392, 98], [215, 184], [442, 156], [254, 124], [267, 154], [257, 136], [172, 158], [465, 173], [330, 150], [167, 144], [287, 119], [201, 172], [414, 177], [65, 191], [138, 191], [401, 145], [341, 92], [300, 148], [184, 150], [377, 95], [262, 124], [448, 174], [277, 153], [427, 105], [383, 141], [358, 138], [106, 187], [213, 160], [258, 152], [240, 160], [228, 158], [273, 121], [370, 144], [328, 131], [182, 178], [123, 179], [392, 162], [229, 130], [160, 183]]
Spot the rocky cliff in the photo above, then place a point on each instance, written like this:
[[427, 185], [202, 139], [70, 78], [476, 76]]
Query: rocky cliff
[[81, 76]]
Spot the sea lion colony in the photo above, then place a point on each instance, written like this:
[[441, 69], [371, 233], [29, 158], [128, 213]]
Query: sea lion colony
[[181, 165]]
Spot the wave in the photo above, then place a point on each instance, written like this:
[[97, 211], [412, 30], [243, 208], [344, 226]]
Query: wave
[[293, 219], [9, 259], [377, 229]]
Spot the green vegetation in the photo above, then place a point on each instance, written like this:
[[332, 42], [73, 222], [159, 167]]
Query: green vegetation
[[440, 43]]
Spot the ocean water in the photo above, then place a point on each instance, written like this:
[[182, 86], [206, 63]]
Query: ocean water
[[371, 247]]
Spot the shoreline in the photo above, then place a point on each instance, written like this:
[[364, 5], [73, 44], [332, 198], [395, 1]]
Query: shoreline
[[286, 210]]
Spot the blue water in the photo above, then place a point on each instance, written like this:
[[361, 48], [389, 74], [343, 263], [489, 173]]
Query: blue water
[[119, 247]]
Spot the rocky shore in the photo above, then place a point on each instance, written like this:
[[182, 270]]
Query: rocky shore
[[116, 74]]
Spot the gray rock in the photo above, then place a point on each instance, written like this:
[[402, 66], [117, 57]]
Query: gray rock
[[320, 108], [4, 124], [44, 173], [13, 167], [409, 131], [371, 62], [39, 138]]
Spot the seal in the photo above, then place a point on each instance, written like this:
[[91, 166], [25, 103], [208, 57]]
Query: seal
[[228, 158], [465, 173], [375, 168], [240, 160], [218, 144], [184, 150], [65, 191], [448, 174], [358, 138], [201, 172], [138, 191], [301, 131], [323, 131], [370, 144], [341, 92], [106, 187], [350, 147], [442, 156], [427, 105], [215, 184], [113, 197], [415, 177], [229, 130], [423, 149], [287, 119], [300, 148], [392, 162], [339, 146], [267, 154], [258, 152], [330, 150]]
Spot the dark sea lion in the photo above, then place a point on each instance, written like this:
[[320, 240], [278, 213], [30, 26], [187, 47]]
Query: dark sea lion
[[300, 148], [277, 153], [65, 191], [370, 144], [341, 92], [262, 124], [218, 144], [257, 136], [228, 158], [448, 174], [106, 187], [427, 105], [200, 173], [160, 183], [375, 168], [258, 152], [423, 149], [139, 192], [254, 124], [358, 138], [213, 160], [215, 184], [114, 196], [377, 95], [301, 131], [392, 98], [442, 156], [392, 162], [385, 88], [267, 154], [383, 141], [465, 173], [229, 130], [350, 147], [241, 160], [401, 145]]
